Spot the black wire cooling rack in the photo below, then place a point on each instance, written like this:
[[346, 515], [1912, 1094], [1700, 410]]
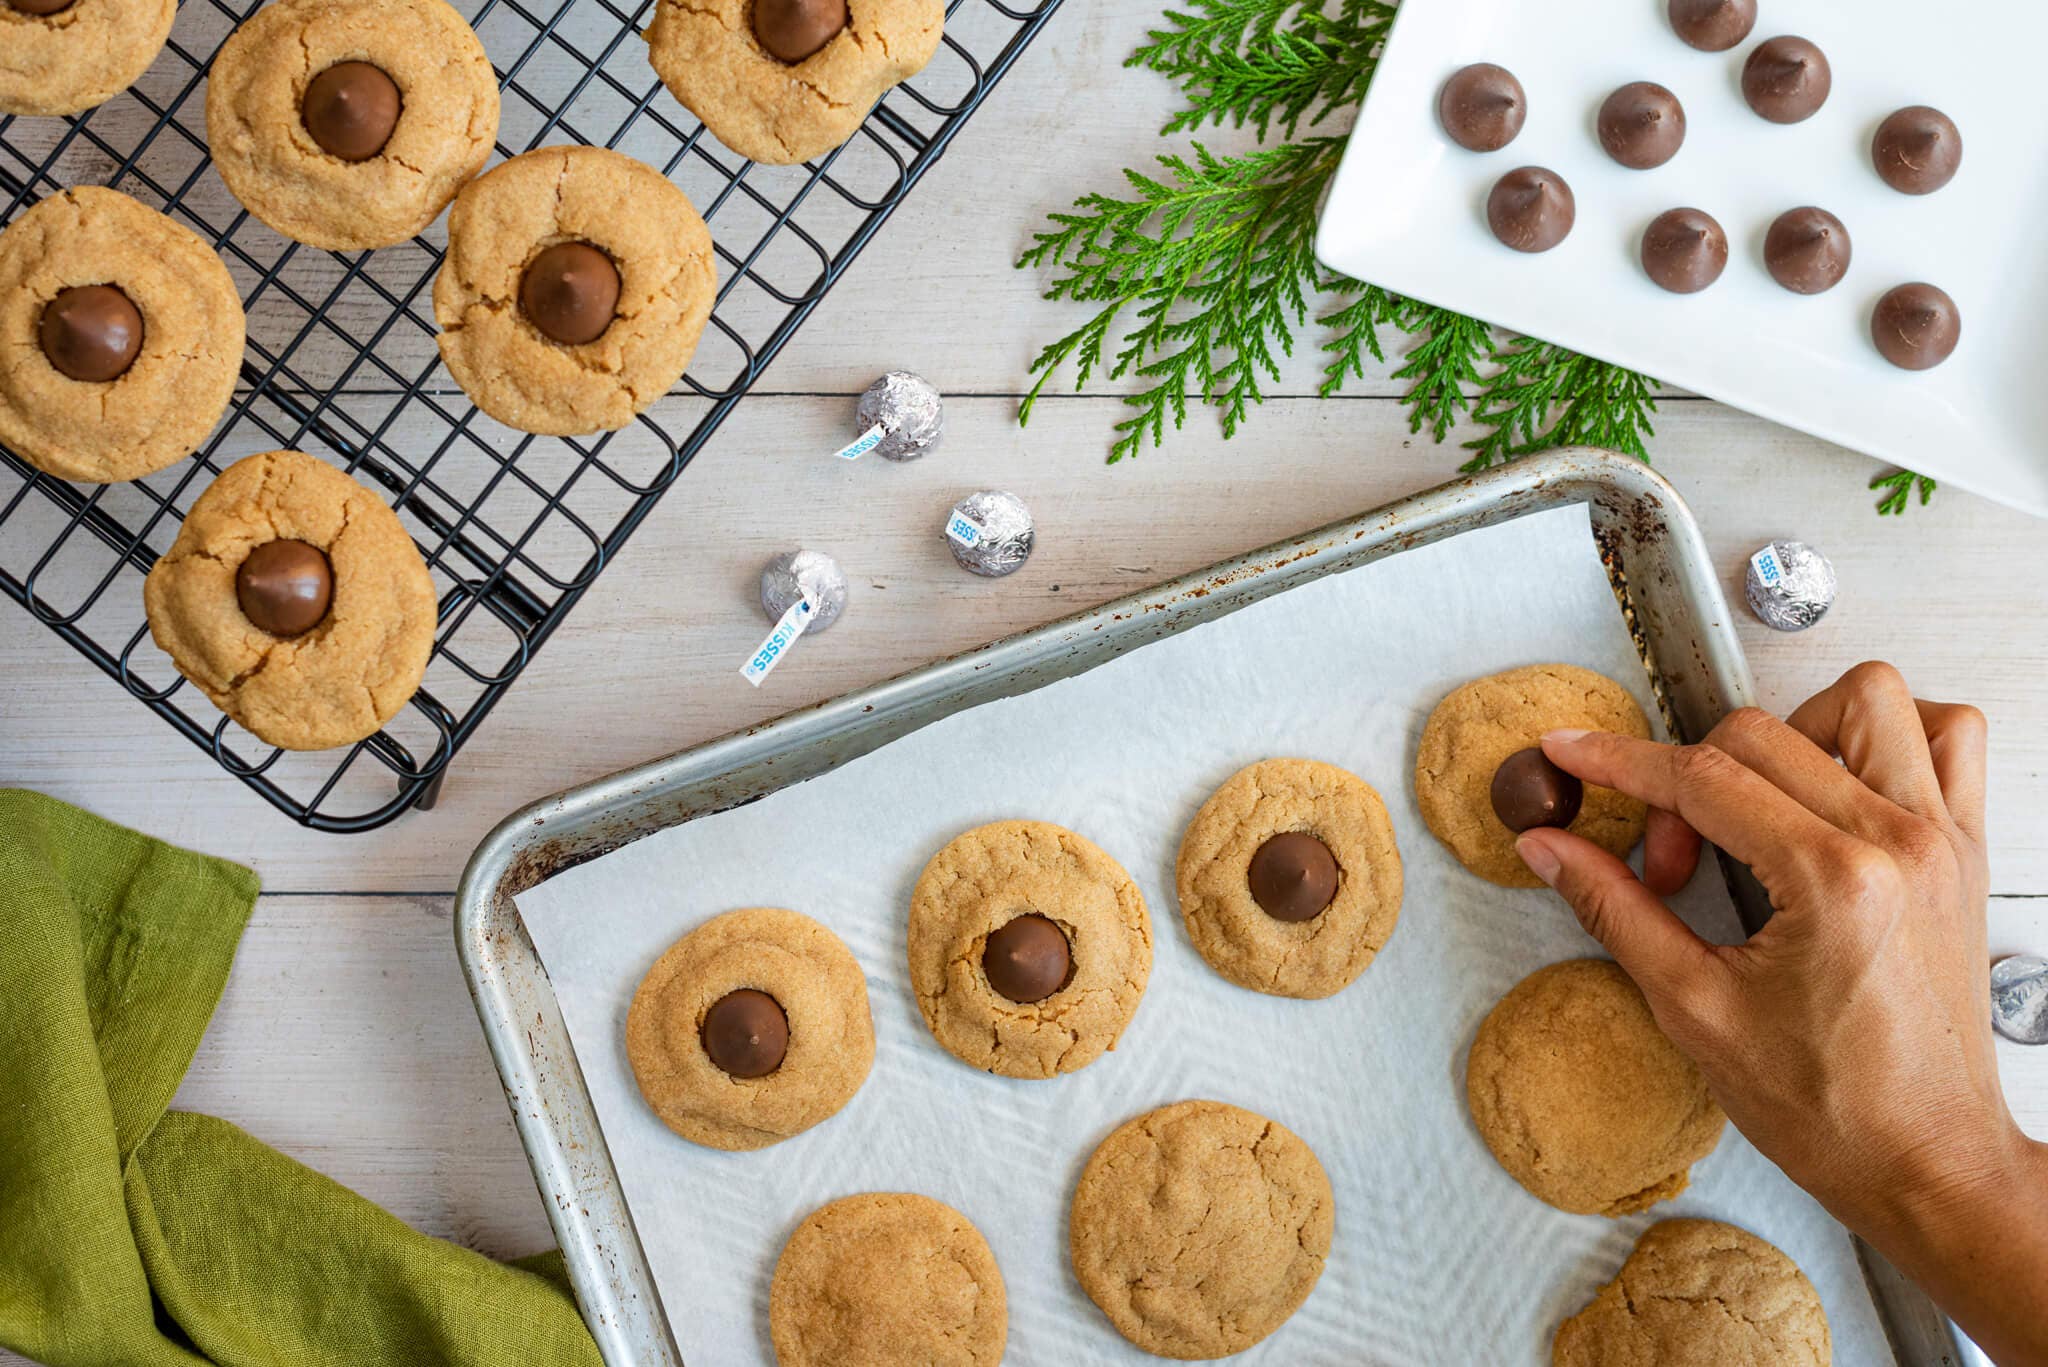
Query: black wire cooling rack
[[341, 360]]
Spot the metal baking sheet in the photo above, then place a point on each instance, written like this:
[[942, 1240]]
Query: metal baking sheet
[[1651, 547]]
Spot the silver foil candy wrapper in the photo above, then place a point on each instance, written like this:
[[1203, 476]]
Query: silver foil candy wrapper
[[1790, 585], [791, 575], [1006, 533], [909, 410], [2019, 998]]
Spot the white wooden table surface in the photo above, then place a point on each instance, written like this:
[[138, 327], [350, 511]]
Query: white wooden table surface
[[346, 1038]]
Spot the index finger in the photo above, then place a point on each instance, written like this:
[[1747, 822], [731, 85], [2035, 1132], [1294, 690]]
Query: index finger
[[1725, 801]]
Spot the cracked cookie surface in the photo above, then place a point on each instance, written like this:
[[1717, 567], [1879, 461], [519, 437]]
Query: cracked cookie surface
[[989, 876], [812, 976], [1582, 1098], [447, 120], [1199, 1228], [1312, 958], [887, 1279], [349, 674], [778, 112], [667, 276], [1485, 721], [162, 407], [80, 56], [1699, 1293]]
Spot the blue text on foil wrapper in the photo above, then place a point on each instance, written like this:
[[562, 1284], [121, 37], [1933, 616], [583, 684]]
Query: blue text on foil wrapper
[[1768, 571], [965, 530], [790, 626]]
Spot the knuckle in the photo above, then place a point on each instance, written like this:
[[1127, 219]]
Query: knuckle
[[1744, 724], [1874, 676], [1705, 765], [1867, 874], [1966, 722]]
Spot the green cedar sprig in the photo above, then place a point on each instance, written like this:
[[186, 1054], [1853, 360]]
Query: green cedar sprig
[[1900, 483], [1204, 272]]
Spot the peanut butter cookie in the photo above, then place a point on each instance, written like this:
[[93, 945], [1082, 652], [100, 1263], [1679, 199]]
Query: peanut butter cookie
[[1698, 1293], [120, 337], [1289, 878], [1029, 949], [887, 1279], [1582, 1098], [349, 124], [60, 58], [1199, 1228], [577, 283], [782, 81], [751, 1028], [1489, 721], [296, 600]]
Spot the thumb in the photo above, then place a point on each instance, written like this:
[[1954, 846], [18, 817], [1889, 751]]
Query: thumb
[[1650, 943]]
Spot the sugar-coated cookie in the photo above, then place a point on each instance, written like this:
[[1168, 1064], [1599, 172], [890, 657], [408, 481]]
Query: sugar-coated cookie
[[1582, 1098], [120, 336], [1698, 1293], [296, 600], [1489, 719], [751, 1028], [1289, 878], [577, 284], [61, 58], [1029, 949], [1199, 1228], [782, 81], [350, 124], [887, 1279]]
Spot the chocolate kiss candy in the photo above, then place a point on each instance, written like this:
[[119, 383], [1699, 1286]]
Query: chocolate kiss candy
[[1786, 79], [746, 1033], [1530, 791], [1807, 250], [1530, 209], [351, 109], [570, 292], [1916, 150], [285, 586], [1293, 876], [1482, 107], [91, 333], [1027, 959], [1916, 326], [792, 30], [1712, 25]]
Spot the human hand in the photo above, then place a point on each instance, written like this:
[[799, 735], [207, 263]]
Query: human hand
[[1849, 1039]]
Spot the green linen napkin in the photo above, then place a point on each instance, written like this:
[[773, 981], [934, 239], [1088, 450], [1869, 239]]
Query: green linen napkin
[[132, 1237]]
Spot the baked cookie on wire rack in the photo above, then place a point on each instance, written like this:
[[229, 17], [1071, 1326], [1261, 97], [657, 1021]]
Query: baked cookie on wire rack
[[350, 125], [64, 56], [577, 283], [782, 81]]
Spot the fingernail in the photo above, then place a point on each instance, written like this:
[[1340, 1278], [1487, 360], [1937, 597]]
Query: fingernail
[[1565, 735], [1538, 856]]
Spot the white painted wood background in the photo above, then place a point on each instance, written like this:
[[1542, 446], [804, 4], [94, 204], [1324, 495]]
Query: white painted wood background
[[346, 1038]]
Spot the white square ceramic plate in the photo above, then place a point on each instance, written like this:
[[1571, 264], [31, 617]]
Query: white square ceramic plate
[[1407, 211]]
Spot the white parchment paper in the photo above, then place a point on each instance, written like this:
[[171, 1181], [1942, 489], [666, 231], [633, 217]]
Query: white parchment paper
[[1439, 1256]]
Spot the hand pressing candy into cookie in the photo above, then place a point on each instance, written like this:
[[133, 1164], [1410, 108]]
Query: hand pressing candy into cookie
[[1848, 1038]]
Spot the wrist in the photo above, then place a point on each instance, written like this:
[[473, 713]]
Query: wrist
[[1938, 1193]]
